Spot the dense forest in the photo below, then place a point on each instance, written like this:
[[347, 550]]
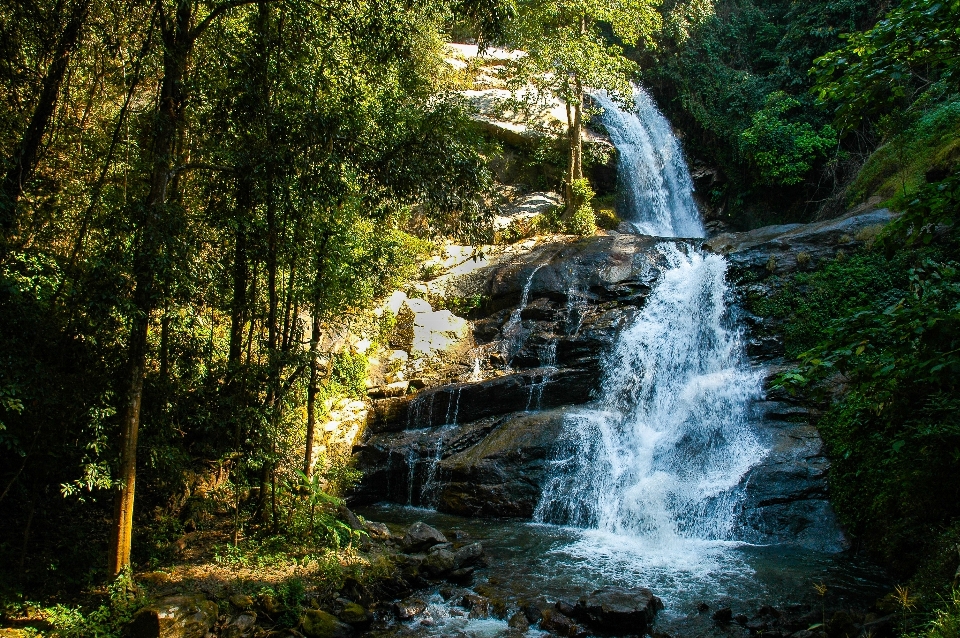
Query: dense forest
[[197, 195]]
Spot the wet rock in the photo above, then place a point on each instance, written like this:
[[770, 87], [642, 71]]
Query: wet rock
[[463, 576], [478, 606], [723, 616], [560, 624], [617, 611], [468, 555], [317, 623], [438, 563], [565, 608], [740, 619], [409, 608], [786, 493], [503, 474], [519, 622], [175, 617], [533, 609], [240, 626], [448, 592], [702, 607], [421, 536], [786, 248]]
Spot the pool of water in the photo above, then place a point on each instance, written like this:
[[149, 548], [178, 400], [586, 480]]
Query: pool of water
[[527, 560]]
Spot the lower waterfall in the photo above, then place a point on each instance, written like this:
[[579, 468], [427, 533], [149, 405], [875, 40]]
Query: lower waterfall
[[660, 457]]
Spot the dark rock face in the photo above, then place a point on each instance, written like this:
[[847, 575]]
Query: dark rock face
[[615, 612]]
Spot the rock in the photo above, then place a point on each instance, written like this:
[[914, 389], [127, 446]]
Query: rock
[[478, 606], [175, 617], [723, 615], [740, 619], [559, 624], [463, 576], [702, 607], [438, 563], [504, 473], [153, 578], [350, 518], [421, 536], [354, 614], [533, 609], [468, 555], [786, 493], [317, 623], [269, 604], [378, 531], [786, 248], [519, 621], [240, 626], [614, 610], [565, 608], [241, 601], [409, 608]]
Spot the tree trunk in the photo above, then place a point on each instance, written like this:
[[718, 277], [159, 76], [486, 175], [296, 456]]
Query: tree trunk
[[312, 390], [178, 43], [575, 143], [24, 160]]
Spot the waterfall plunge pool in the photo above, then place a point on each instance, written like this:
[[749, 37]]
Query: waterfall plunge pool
[[528, 560]]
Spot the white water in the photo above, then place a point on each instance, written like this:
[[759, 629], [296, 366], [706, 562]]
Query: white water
[[653, 470], [652, 175]]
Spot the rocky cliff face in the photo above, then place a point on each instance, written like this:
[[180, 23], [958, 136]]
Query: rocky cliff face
[[480, 447]]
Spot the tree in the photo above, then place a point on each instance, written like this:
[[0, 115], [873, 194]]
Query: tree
[[569, 52]]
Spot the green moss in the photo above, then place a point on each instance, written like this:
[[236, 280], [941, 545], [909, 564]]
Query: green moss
[[898, 168]]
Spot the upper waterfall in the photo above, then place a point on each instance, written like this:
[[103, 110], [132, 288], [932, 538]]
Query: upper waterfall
[[653, 178]]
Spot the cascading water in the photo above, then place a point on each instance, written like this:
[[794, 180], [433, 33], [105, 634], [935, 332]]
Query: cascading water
[[652, 175], [660, 457]]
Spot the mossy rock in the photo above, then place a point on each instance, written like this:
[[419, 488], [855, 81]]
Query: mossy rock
[[354, 614], [317, 623]]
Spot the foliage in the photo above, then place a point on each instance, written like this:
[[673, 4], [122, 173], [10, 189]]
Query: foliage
[[315, 153], [781, 144], [879, 340], [912, 50], [722, 77]]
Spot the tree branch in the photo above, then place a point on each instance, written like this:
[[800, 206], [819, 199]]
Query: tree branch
[[218, 11]]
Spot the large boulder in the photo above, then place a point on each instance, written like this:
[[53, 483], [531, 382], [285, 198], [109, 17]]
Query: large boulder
[[614, 611], [175, 617], [504, 473], [420, 537], [786, 493]]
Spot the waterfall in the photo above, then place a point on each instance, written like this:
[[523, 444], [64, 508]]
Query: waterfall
[[654, 182], [661, 455], [659, 459]]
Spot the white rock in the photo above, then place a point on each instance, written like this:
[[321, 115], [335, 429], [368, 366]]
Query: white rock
[[395, 301], [419, 305]]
